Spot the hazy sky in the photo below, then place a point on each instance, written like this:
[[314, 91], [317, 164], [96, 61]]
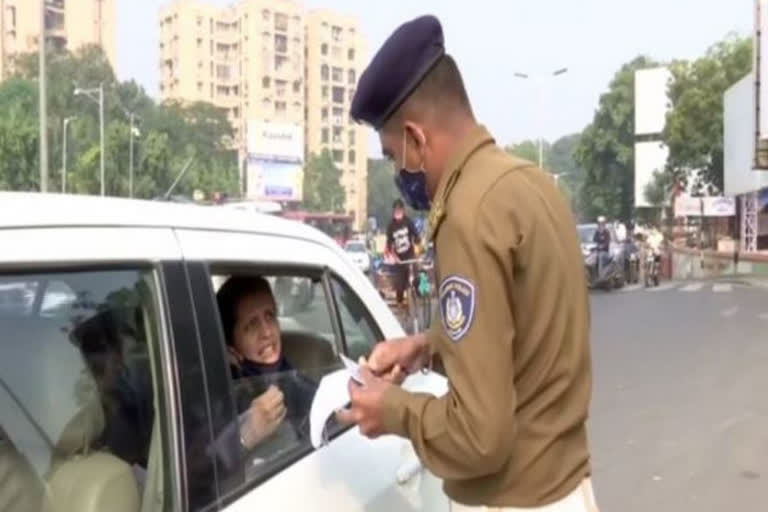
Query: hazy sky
[[493, 39]]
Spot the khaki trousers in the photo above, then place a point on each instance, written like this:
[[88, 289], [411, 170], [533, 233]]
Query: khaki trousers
[[582, 499]]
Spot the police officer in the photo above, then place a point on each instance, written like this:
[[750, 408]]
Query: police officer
[[513, 339]]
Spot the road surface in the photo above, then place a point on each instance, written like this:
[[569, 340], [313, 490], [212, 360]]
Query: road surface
[[679, 419]]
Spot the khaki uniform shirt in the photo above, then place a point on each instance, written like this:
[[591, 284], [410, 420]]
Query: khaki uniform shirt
[[513, 337]]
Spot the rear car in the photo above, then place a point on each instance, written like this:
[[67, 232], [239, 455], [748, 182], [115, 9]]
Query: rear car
[[358, 253]]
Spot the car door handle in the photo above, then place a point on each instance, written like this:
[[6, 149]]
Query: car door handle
[[409, 469]]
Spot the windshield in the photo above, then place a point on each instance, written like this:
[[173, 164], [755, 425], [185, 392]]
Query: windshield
[[587, 233]]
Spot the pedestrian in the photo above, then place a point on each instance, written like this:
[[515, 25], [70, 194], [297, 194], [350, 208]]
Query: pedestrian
[[402, 239], [513, 340]]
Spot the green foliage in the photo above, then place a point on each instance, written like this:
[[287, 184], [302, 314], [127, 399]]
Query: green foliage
[[606, 149], [322, 187], [168, 134], [382, 190], [694, 128]]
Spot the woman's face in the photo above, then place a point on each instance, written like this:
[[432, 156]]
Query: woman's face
[[257, 332]]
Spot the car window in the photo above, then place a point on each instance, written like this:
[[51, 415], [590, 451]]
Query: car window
[[279, 336], [76, 388], [360, 331], [355, 247]]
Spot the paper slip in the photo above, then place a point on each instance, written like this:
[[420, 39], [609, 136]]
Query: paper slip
[[332, 394]]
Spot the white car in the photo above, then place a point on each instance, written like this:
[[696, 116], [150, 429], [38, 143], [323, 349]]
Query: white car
[[115, 387], [358, 253]]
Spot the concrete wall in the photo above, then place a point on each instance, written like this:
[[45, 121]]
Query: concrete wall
[[693, 264]]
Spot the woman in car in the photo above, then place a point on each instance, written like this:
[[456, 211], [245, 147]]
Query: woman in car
[[272, 396]]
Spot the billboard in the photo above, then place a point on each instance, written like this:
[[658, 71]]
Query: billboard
[[718, 206], [649, 157], [739, 139], [651, 101], [275, 164]]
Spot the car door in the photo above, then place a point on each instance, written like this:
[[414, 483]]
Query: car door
[[351, 472]]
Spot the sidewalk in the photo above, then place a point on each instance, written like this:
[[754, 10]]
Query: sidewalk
[[757, 281]]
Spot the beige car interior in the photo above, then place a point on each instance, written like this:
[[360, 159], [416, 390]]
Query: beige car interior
[[52, 416]]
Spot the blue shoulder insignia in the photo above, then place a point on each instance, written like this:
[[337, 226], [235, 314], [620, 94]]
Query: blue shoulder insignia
[[457, 306]]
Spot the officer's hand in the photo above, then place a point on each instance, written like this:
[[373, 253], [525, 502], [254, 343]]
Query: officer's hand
[[365, 409], [394, 360]]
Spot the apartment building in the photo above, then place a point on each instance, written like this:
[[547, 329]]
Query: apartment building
[[247, 58], [334, 60], [70, 24], [262, 61]]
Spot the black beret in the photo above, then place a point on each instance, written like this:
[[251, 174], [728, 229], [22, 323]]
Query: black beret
[[399, 66]]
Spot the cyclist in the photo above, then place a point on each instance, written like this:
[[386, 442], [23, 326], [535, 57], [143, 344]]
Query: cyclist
[[402, 238]]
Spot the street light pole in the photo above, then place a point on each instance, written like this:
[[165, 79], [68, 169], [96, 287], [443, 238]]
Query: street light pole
[[64, 154], [130, 160], [526, 76], [43, 103], [97, 95]]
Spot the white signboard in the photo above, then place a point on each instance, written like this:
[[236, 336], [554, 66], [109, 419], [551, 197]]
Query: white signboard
[[649, 158], [687, 206], [275, 141], [718, 206], [651, 100], [739, 139], [270, 180], [275, 167], [761, 64]]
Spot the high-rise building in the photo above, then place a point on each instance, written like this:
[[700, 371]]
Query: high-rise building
[[335, 58], [70, 24], [262, 61]]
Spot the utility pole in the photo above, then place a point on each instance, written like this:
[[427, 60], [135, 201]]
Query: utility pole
[[43, 102], [526, 76], [64, 153]]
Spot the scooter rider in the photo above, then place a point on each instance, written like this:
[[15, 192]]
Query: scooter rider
[[602, 240]]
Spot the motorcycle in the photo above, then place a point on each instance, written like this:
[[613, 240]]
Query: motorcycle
[[608, 274], [652, 267]]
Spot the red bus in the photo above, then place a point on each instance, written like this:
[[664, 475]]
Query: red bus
[[336, 225]]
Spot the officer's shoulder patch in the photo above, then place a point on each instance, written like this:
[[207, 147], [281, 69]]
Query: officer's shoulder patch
[[457, 306]]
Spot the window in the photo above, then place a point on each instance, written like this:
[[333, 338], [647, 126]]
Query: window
[[351, 136], [297, 86], [351, 156], [337, 74], [265, 15], [324, 49], [281, 43], [281, 22], [280, 62], [338, 116], [280, 107], [336, 33], [324, 136], [324, 114], [351, 76], [280, 88], [337, 135], [338, 156], [351, 54], [76, 393], [324, 92], [324, 72], [338, 95], [265, 82], [290, 315]]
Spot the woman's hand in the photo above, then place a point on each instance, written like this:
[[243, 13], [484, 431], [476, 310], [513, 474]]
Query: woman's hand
[[266, 413]]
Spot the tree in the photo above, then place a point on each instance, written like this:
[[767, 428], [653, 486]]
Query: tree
[[529, 150], [694, 127], [382, 190], [606, 149], [170, 133], [322, 184]]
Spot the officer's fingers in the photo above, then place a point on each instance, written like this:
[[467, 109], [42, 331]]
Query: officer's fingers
[[396, 376], [346, 417], [383, 357]]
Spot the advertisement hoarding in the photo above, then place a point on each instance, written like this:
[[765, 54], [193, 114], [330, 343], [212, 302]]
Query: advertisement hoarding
[[718, 206], [275, 161], [650, 157]]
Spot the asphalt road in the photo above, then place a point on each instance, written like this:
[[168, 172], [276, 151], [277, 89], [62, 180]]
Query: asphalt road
[[679, 417]]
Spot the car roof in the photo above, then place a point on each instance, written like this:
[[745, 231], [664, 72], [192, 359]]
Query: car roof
[[33, 210]]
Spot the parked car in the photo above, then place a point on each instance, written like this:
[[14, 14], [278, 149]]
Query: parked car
[[116, 390], [358, 253]]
